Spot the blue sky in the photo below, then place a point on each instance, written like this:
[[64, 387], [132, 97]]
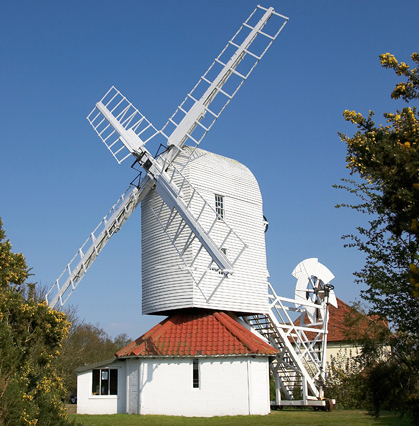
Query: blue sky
[[57, 180]]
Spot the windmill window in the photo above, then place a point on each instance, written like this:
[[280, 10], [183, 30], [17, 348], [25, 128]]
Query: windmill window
[[219, 206], [195, 373], [105, 381]]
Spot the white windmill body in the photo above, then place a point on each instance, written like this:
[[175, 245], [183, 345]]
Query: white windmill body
[[207, 244], [167, 283], [203, 237]]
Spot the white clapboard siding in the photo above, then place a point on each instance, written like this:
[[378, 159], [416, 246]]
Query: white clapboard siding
[[164, 280], [166, 286]]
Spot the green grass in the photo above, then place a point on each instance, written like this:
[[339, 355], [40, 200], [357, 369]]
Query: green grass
[[283, 418]]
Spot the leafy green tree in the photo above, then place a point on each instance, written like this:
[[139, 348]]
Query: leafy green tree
[[346, 381], [386, 159], [393, 383], [85, 344], [31, 335]]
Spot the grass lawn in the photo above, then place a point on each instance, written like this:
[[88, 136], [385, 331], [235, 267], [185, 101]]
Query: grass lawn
[[283, 418]]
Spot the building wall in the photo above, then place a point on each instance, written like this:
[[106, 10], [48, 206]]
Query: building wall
[[228, 386], [167, 284], [87, 403], [132, 386], [342, 349]]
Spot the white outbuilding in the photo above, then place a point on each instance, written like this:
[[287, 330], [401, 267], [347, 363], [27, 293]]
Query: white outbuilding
[[194, 363]]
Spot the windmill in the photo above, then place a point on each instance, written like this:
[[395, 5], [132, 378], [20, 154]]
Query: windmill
[[193, 255]]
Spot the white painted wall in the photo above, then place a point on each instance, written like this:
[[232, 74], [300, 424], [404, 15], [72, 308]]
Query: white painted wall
[[228, 386], [87, 403], [133, 386], [166, 286]]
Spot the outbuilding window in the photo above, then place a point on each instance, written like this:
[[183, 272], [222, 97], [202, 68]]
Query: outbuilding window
[[105, 381], [195, 373], [219, 206]]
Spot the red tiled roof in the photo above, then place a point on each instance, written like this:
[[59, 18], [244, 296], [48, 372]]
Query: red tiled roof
[[337, 326], [348, 324], [197, 332]]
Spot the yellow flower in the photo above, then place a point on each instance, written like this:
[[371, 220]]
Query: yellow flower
[[387, 59]]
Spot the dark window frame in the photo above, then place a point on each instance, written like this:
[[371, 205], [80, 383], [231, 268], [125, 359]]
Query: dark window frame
[[195, 374], [105, 382]]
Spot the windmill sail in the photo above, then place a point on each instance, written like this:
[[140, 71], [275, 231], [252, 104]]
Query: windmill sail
[[126, 119], [69, 279], [169, 183], [208, 99]]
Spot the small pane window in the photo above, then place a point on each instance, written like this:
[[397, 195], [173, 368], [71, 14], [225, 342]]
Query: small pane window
[[105, 381], [195, 377], [96, 382], [219, 206], [113, 387]]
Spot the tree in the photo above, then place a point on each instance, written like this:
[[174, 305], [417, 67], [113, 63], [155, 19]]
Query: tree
[[385, 159], [85, 344], [31, 335], [345, 380]]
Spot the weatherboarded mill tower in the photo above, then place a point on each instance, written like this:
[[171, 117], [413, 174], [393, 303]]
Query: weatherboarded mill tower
[[203, 264], [171, 282]]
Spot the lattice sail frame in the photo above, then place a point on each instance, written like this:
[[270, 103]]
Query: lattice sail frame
[[76, 269], [129, 118], [224, 77]]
